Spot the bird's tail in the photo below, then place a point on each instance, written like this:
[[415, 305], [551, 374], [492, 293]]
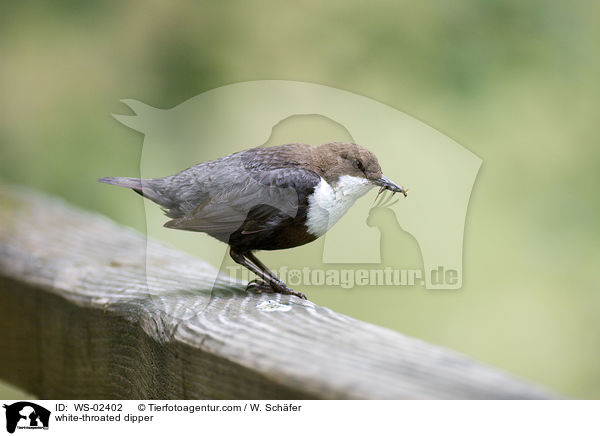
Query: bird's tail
[[125, 182], [152, 189]]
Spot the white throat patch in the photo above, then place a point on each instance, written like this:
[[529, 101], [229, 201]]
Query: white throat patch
[[329, 203]]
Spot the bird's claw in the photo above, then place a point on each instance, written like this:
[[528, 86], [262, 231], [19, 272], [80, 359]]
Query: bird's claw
[[260, 286], [295, 293]]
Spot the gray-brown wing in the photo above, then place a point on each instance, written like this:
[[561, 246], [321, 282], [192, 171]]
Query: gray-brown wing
[[265, 195]]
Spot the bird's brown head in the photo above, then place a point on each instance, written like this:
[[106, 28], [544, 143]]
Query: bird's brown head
[[336, 159]]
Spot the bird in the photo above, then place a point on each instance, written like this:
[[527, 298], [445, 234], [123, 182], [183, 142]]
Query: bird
[[266, 198]]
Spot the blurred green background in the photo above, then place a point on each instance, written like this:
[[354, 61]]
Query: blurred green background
[[515, 82]]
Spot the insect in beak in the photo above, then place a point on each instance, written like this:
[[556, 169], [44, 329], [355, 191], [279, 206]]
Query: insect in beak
[[387, 185]]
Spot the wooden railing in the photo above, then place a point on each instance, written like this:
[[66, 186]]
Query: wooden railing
[[82, 316]]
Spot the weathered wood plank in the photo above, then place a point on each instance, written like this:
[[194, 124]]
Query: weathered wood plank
[[81, 317]]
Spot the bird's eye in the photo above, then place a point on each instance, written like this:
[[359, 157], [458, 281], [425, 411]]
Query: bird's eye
[[359, 165]]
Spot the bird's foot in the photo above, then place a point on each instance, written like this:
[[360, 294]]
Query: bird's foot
[[260, 286], [282, 288]]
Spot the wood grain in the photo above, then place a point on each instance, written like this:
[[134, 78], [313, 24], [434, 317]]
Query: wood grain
[[89, 309]]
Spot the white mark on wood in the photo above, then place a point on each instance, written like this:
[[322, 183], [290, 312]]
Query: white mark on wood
[[273, 306]]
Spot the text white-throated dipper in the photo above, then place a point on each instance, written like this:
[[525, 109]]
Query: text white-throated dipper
[[266, 198]]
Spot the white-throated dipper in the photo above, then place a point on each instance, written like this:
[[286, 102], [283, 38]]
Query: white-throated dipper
[[266, 198]]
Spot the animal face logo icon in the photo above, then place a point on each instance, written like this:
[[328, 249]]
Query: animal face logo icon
[[26, 415]]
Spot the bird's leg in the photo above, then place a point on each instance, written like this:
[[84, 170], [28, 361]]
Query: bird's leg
[[248, 260], [242, 259], [259, 285], [252, 258], [279, 285]]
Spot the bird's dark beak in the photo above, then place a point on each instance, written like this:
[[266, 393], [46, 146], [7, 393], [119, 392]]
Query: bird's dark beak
[[386, 183]]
